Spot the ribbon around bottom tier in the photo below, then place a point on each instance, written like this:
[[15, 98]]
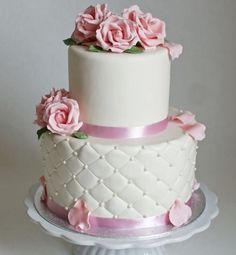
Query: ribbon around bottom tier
[[124, 132], [111, 223]]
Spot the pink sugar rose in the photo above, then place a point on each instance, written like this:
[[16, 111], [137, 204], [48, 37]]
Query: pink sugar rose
[[117, 34], [53, 96], [62, 117], [151, 31], [88, 22]]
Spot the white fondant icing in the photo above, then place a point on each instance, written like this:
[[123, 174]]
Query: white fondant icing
[[112, 184], [120, 90]]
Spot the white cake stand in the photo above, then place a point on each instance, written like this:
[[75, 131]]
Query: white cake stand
[[139, 242]]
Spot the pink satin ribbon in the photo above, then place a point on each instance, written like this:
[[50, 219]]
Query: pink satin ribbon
[[124, 132], [99, 222]]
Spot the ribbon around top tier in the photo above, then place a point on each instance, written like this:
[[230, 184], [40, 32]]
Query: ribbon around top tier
[[124, 132]]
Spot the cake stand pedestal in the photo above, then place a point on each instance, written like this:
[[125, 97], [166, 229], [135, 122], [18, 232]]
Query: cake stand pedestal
[[149, 241]]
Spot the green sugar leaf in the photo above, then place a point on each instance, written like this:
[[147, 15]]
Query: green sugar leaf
[[94, 48], [41, 131], [80, 135], [134, 50], [69, 41]]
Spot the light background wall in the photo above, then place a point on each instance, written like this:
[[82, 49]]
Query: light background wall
[[33, 59]]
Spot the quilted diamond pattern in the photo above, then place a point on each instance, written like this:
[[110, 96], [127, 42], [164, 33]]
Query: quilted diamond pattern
[[121, 181]]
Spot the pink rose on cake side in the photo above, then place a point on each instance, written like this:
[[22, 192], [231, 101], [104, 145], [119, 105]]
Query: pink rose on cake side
[[151, 31], [117, 34], [62, 117], [88, 22], [53, 96]]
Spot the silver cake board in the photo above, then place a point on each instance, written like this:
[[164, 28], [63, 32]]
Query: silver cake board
[[149, 241]]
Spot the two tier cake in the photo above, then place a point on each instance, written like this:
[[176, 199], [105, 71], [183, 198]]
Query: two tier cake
[[114, 154]]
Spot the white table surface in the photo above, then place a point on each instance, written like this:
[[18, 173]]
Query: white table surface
[[19, 236]]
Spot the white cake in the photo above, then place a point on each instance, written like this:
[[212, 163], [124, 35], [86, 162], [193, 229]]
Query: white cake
[[125, 89], [121, 178], [112, 150]]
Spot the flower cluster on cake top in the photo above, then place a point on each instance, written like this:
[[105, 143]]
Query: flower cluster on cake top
[[132, 32], [58, 114]]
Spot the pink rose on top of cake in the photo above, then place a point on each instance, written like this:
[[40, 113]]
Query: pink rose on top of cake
[[53, 96], [117, 34], [62, 117], [88, 22], [151, 31]]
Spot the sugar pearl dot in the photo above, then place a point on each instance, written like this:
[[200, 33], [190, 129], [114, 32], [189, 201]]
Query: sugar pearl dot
[[66, 208], [85, 166], [74, 176], [87, 143], [76, 199], [114, 195], [75, 153], [197, 147], [195, 169], [49, 133], [100, 181], [85, 191], [102, 157], [65, 185], [116, 170], [129, 206], [101, 204], [67, 139], [64, 162], [131, 158], [115, 216], [54, 145], [56, 193], [194, 163]]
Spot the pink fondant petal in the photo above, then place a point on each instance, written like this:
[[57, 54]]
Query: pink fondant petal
[[175, 50], [44, 195], [78, 216], [197, 131], [184, 118], [179, 213], [196, 185]]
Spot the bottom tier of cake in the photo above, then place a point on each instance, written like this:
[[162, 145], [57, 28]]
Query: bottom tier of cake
[[120, 179]]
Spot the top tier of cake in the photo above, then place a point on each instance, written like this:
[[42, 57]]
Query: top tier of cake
[[120, 90]]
